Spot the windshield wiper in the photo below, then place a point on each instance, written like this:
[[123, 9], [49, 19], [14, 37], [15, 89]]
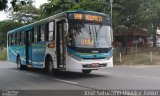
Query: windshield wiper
[[96, 33], [90, 33]]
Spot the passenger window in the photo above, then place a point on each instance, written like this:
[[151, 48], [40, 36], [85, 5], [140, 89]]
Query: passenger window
[[32, 35], [29, 36], [20, 36], [42, 30], [17, 38], [8, 39], [51, 31], [23, 37], [35, 34], [13, 39], [38, 34], [46, 32]]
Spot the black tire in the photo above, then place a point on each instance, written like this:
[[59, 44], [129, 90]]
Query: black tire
[[50, 67], [19, 65], [86, 71]]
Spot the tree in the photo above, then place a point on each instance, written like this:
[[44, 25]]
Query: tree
[[3, 4], [57, 6], [16, 4], [91, 5], [124, 17], [25, 14], [6, 26], [24, 11], [149, 14]]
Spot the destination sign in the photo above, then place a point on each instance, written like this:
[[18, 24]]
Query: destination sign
[[86, 17]]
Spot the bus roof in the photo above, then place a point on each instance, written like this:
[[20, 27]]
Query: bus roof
[[29, 26]]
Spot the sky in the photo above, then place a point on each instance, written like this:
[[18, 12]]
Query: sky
[[3, 16]]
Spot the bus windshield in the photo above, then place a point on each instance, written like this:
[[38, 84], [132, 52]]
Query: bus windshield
[[89, 35]]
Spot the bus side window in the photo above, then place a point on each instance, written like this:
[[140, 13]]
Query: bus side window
[[35, 34], [17, 38], [46, 31], [51, 31], [13, 40], [10, 39], [42, 30], [20, 36], [38, 34], [32, 35], [24, 37]]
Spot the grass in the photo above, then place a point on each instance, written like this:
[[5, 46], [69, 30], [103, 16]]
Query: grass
[[140, 59], [3, 54]]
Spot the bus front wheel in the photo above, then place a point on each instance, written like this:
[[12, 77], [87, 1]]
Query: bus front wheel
[[50, 67], [86, 71]]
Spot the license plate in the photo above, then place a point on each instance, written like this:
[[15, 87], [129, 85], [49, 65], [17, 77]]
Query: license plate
[[95, 64]]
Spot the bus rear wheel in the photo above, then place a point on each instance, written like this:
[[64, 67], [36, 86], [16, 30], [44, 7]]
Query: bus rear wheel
[[86, 71], [19, 65]]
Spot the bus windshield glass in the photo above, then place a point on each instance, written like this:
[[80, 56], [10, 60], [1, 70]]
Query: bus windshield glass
[[89, 35]]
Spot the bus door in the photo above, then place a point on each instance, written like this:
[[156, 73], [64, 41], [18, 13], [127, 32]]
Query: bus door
[[28, 48], [60, 42]]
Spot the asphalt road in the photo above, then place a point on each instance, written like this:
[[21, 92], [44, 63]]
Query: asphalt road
[[116, 78]]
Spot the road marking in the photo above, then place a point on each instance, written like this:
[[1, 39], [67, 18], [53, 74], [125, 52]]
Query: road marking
[[102, 72], [31, 74], [15, 70], [142, 67], [139, 76], [76, 84], [66, 81]]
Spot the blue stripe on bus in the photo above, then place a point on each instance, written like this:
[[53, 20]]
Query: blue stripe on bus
[[37, 52], [14, 50], [90, 55]]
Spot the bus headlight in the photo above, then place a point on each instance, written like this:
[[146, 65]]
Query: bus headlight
[[108, 57], [74, 57]]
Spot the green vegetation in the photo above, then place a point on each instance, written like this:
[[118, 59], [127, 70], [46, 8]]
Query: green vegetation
[[147, 56], [5, 27], [3, 54]]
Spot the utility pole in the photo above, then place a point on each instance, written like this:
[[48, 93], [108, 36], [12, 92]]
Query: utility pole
[[111, 1], [111, 31]]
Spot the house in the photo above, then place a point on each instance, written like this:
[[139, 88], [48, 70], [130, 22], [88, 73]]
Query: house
[[132, 37], [158, 37]]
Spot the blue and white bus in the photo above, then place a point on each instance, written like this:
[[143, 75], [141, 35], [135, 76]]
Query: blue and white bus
[[68, 41]]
